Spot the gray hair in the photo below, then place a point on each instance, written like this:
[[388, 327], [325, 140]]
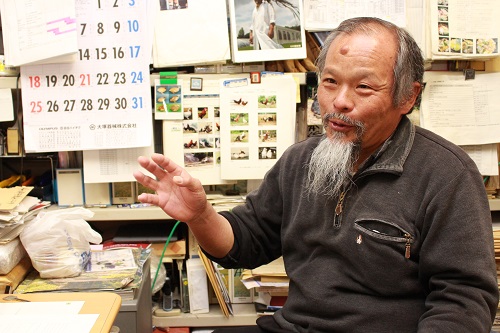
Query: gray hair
[[409, 66]]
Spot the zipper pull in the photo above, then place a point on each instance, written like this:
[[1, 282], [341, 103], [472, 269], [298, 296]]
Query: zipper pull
[[338, 208], [407, 246]]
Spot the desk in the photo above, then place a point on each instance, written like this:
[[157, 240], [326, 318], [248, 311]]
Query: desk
[[106, 304]]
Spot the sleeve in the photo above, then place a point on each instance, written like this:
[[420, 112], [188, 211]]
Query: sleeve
[[457, 261], [256, 226], [272, 17]]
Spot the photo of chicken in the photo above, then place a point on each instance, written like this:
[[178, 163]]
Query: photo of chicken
[[239, 136], [202, 113], [266, 153], [239, 153], [240, 101], [267, 136], [188, 113], [191, 144], [239, 119], [198, 159], [266, 119], [266, 101]]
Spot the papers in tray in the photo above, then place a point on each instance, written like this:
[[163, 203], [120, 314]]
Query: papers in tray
[[122, 281]]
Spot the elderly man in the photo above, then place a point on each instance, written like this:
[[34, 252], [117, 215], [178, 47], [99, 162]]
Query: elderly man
[[383, 226]]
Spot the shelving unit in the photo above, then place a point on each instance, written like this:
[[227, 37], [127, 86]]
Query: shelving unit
[[113, 213], [8, 82], [494, 204], [244, 315]]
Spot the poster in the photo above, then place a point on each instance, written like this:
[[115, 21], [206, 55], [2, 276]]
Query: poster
[[194, 141], [257, 124]]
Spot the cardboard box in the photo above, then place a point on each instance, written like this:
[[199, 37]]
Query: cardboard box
[[13, 141], [10, 281], [175, 249]]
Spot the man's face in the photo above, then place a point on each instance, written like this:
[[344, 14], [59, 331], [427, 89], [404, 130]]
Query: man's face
[[357, 82]]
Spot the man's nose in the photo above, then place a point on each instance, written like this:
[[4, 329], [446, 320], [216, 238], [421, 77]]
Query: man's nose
[[343, 101]]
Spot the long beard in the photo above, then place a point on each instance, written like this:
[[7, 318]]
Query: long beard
[[332, 161]]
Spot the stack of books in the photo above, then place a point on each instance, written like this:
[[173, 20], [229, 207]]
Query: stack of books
[[270, 284]]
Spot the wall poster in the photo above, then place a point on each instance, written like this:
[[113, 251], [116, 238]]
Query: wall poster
[[257, 124], [194, 141]]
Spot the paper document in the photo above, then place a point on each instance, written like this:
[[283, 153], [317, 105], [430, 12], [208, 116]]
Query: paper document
[[485, 157], [466, 112], [38, 30], [327, 14], [463, 29], [6, 105], [113, 165], [192, 35], [53, 317], [12, 196]]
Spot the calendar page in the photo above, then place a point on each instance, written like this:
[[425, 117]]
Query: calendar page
[[102, 100]]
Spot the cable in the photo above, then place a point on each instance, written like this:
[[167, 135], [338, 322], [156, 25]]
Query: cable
[[163, 253]]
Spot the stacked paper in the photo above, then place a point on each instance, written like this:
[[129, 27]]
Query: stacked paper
[[16, 208]]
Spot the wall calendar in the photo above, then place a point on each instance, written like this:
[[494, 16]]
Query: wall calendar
[[102, 99]]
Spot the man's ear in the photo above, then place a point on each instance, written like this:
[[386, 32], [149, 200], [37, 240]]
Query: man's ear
[[407, 106]]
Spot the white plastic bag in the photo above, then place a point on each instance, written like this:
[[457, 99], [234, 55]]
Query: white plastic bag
[[58, 241]]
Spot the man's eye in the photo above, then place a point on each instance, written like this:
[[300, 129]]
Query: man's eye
[[330, 80], [364, 86]]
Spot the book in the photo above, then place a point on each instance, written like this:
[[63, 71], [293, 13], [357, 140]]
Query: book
[[218, 284], [238, 292]]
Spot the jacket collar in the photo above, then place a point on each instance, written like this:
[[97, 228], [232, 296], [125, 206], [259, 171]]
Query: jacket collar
[[391, 156]]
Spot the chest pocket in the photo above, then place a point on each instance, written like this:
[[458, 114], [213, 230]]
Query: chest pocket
[[386, 232]]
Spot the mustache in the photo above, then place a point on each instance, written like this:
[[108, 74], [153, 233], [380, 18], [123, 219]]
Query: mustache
[[340, 116]]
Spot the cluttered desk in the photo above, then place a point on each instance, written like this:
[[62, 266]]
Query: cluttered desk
[[78, 312]]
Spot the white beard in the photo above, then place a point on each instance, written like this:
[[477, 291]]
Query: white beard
[[332, 161]]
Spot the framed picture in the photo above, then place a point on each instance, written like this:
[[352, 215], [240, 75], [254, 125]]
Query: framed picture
[[123, 193], [196, 83], [255, 77], [286, 40]]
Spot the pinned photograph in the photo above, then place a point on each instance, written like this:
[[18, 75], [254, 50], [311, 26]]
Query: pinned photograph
[[255, 77], [196, 83], [265, 30]]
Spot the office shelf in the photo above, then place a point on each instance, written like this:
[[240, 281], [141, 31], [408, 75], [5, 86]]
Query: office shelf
[[244, 315], [8, 82], [114, 213], [494, 204]]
